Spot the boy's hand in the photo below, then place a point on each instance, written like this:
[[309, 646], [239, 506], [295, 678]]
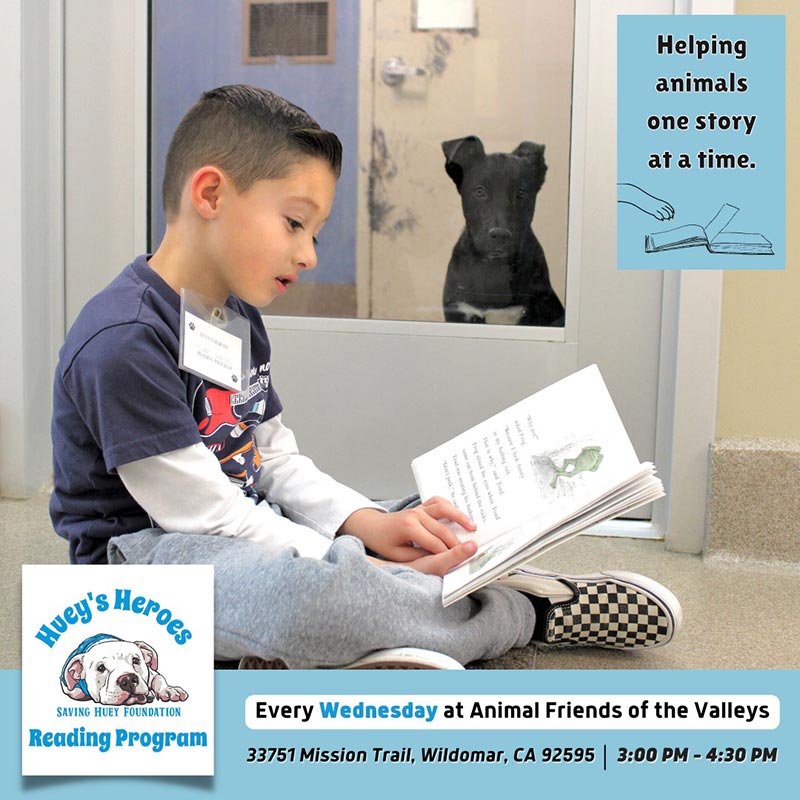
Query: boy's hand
[[437, 564], [414, 536]]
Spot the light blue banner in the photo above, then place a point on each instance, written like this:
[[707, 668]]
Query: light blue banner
[[469, 762], [701, 151]]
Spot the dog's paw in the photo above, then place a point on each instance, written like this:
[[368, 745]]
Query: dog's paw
[[172, 693]]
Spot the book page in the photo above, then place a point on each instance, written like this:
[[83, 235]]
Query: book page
[[720, 221], [481, 471], [684, 236], [529, 540], [537, 462]]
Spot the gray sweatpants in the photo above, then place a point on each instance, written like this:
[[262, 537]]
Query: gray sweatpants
[[329, 612]]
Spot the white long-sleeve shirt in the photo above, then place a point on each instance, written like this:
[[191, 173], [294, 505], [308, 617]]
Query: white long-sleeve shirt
[[186, 491]]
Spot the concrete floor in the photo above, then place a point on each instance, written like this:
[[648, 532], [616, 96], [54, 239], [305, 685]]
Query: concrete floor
[[737, 614]]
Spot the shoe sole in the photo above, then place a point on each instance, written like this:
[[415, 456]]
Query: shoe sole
[[405, 658], [391, 658], [613, 609]]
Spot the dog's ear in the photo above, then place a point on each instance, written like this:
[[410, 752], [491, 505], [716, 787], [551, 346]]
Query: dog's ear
[[150, 655], [73, 672], [460, 153], [533, 153]]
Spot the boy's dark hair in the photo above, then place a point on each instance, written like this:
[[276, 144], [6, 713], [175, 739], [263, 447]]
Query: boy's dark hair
[[250, 133]]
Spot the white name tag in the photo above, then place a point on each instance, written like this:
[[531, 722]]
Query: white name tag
[[211, 353]]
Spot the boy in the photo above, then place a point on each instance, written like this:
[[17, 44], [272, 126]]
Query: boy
[[154, 464]]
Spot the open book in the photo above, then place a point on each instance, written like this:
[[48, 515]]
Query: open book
[[535, 475], [713, 236]]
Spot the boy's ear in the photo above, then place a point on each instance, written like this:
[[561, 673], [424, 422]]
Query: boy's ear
[[204, 191]]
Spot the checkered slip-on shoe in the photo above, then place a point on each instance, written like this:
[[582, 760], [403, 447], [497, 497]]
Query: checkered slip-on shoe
[[392, 658], [617, 610]]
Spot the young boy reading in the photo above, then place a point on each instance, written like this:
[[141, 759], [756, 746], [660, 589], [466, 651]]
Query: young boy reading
[[155, 464]]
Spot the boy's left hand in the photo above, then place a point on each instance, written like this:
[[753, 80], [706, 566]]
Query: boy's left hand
[[407, 535]]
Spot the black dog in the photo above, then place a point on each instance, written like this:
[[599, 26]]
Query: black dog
[[498, 271]]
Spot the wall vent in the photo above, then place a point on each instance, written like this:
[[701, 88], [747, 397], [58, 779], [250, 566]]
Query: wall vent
[[301, 31]]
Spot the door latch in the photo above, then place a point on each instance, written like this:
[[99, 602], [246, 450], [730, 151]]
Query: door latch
[[394, 71]]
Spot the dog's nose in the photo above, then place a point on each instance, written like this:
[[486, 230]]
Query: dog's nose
[[127, 682], [499, 235]]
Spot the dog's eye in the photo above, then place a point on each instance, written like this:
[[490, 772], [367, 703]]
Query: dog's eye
[[521, 193], [136, 661], [101, 667], [479, 192]]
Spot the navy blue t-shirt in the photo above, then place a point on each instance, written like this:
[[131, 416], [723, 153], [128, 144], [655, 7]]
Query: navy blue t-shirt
[[119, 396]]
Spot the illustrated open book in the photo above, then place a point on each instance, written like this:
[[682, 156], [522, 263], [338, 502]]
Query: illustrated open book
[[713, 236], [535, 475]]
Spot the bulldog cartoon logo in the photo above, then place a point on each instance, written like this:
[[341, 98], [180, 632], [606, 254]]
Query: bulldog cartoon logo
[[114, 672]]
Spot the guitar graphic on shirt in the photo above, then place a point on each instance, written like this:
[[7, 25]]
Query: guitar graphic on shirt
[[220, 411], [231, 437]]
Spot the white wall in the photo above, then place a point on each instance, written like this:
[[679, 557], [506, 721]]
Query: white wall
[[12, 431], [30, 229]]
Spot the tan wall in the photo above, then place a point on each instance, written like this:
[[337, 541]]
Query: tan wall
[[759, 388]]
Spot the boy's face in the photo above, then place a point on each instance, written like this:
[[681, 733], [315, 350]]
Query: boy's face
[[267, 234]]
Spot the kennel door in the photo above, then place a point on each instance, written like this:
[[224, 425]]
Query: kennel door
[[440, 84]]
